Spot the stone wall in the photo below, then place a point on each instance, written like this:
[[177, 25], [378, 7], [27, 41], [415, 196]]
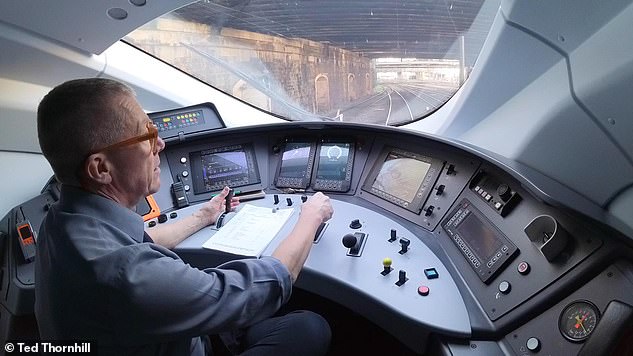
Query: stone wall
[[261, 69]]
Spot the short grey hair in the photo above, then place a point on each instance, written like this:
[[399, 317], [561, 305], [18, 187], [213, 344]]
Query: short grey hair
[[78, 117]]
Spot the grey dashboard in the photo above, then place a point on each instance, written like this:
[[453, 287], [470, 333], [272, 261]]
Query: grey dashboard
[[504, 258], [450, 250]]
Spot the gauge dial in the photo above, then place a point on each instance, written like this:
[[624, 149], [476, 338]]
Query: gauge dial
[[578, 320]]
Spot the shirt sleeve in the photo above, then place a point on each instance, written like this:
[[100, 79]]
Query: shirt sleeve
[[157, 296]]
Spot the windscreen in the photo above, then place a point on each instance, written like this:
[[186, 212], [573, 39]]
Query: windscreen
[[374, 61]]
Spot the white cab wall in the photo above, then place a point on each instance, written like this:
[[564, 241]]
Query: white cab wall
[[31, 65], [551, 90], [23, 176]]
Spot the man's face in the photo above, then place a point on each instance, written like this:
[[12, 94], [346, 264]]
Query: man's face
[[136, 171]]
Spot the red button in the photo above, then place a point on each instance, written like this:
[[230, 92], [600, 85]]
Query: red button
[[423, 290], [523, 268]]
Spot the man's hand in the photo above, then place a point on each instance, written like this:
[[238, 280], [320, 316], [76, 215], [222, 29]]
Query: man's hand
[[211, 210], [317, 208], [170, 235], [294, 249]]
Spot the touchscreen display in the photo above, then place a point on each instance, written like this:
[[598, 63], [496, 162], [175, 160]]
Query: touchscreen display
[[481, 239], [222, 167], [401, 176], [295, 159], [333, 161]]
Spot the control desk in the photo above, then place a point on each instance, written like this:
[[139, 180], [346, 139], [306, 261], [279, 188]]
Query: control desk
[[448, 248], [428, 236]]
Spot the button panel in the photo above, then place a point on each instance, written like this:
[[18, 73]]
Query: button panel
[[497, 195]]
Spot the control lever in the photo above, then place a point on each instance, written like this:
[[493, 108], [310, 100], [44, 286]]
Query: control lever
[[404, 244], [402, 278], [350, 241], [227, 201], [227, 209], [317, 234], [393, 236], [355, 243]]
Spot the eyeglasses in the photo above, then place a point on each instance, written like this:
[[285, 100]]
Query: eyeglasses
[[151, 136]]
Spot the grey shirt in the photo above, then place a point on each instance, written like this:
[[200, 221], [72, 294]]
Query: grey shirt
[[96, 280]]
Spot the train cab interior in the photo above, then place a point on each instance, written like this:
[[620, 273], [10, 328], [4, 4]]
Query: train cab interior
[[478, 155]]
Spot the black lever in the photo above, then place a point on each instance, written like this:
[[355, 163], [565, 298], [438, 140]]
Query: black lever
[[227, 201]]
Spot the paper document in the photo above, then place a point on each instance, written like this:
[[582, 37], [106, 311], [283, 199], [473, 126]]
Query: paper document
[[249, 231]]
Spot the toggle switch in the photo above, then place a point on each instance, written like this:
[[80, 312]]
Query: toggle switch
[[402, 278], [393, 236], [404, 244]]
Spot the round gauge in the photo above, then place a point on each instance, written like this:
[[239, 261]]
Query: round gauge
[[578, 320]]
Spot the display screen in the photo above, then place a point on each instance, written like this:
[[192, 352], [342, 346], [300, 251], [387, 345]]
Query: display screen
[[481, 239], [25, 232], [215, 168], [224, 168], [401, 176], [333, 161], [295, 159]]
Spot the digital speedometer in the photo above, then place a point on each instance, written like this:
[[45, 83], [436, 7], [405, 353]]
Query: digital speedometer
[[578, 320]]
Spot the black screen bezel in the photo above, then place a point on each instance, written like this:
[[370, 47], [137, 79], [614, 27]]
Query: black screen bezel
[[424, 189], [342, 185], [197, 179], [452, 226], [304, 182]]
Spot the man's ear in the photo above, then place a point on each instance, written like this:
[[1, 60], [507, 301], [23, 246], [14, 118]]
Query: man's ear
[[97, 170]]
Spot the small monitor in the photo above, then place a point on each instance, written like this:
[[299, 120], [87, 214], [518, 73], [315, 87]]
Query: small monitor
[[334, 166], [486, 249], [233, 166], [295, 168], [403, 178]]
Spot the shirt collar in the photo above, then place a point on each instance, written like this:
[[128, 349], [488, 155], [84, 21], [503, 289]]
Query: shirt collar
[[76, 200]]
